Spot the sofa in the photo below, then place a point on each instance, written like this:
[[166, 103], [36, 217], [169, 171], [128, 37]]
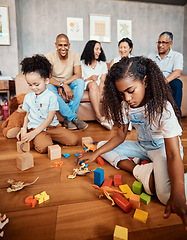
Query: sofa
[[85, 111]]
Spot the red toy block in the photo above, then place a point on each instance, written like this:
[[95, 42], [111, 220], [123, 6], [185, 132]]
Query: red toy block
[[117, 180], [107, 182], [100, 161], [30, 201], [122, 202]]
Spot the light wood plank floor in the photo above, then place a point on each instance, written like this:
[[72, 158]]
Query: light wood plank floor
[[74, 210]]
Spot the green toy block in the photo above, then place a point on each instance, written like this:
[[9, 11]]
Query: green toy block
[[137, 187], [145, 198]]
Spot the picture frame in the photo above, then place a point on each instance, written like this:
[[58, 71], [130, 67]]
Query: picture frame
[[75, 29], [124, 29], [4, 25], [100, 27]]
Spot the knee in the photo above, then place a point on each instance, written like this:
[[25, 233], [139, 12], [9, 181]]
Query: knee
[[93, 86], [80, 83], [73, 141], [41, 149]]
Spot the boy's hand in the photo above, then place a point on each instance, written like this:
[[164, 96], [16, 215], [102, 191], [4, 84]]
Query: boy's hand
[[87, 157], [29, 136], [177, 205], [19, 136]]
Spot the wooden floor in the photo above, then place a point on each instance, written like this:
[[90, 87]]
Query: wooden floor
[[74, 210]]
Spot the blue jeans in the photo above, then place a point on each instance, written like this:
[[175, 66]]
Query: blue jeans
[[176, 87], [69, 110]]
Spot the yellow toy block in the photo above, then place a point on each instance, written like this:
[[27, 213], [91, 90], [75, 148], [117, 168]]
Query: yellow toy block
[[120, 233], [140, 215], [45, 196], [125, 188], [134, 200], [39, 198]]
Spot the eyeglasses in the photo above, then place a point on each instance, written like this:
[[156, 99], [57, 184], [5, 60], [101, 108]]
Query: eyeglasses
[[163, 43]]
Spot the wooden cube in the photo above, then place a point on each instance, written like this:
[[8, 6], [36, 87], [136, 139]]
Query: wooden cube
[[107, 182], [117, 180], [25, 161], [145, 198], [137, 187], [54, 152], [140, 215], [23, 146], [125, 188], [134, 200], [120, 233], [99, 176]]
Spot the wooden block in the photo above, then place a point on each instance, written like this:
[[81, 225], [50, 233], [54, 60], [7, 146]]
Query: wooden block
[[100, 161], [145, 198], [140, 215], [107, 182], [122, 202], [120, 233], [23, 146], [87, 140], [125, 188], [25, 161], [54, 152], [99, 176], [134, 200], [137, 187], [117, 180]]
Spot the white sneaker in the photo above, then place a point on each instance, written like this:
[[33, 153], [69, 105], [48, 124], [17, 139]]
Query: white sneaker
[[142, 174]]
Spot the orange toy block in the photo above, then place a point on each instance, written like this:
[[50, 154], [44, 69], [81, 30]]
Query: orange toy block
[[134, 200], [125, 188], [25, 161], [86, 140], [107, 182], [120, 233], [54, 152], [100, 161], [117, 180], [30, 201], [23, 146], [140, 215], [58, 164]]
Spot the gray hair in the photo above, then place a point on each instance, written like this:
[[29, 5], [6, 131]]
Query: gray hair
[[169, 34]]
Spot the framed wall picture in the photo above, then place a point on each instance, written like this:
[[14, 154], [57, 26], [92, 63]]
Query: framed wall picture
[[4, 26], [75, 29], [100, 27], [124, 29]]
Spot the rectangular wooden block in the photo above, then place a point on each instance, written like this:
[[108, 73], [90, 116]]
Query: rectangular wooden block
[[140, 215], [107, 182], [54, 152], [134, 200], [120, 233], [23, 146], [25, 161], [117, 180], [145, 198], [99, 176], [125, 188]]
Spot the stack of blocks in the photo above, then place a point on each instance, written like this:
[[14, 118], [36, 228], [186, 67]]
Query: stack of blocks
[[120, 233], [54, 152], [99, 176]]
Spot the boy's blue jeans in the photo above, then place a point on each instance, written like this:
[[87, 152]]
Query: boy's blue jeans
[[68, 110]]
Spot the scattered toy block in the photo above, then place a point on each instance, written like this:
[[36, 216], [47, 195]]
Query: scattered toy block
[[120, 233], [39, 198], [144, 162], [125, 188], [30, 201], [45, 196], [140, 215], [54, 152], [77, 154], [66, 155], [86, 140], [58, 164], [145, 198], [122, 202], [107, 182], [134, 200], [25, 161], [117, 180], [100, 161], [137, 187], [99, 176], [23, 146], [94, 142]]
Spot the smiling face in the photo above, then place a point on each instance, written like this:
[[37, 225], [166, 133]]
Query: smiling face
[[132, 91], [164, 45], [97, 50], [124, 49], [62, 45], [36, 83]]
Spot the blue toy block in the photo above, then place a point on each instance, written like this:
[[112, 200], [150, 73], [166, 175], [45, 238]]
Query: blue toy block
[[80, 161], [94, 142], [66, 155], [77, 154], [99, 176]]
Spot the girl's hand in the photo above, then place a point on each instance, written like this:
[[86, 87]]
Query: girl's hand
[[29, 136], [87, 157], [177, 205]]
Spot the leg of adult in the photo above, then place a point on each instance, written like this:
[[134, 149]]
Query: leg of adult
[[62, 135], [77, 87], [176, 87], [64, 108], [42, 141]]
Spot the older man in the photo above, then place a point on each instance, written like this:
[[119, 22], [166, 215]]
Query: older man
[[171, 64], [66, 79]]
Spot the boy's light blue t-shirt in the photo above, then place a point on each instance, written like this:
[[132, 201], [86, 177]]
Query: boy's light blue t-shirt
[[39, 107]]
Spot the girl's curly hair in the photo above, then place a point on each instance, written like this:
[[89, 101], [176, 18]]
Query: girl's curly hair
[[88, 53], [37, 63], [157, 91]]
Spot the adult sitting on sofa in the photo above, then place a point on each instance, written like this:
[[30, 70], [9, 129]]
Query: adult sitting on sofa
[[66, 79]]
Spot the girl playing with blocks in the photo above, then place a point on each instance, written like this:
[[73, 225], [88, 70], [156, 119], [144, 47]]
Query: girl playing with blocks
[[41, 106], [136, 91]]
